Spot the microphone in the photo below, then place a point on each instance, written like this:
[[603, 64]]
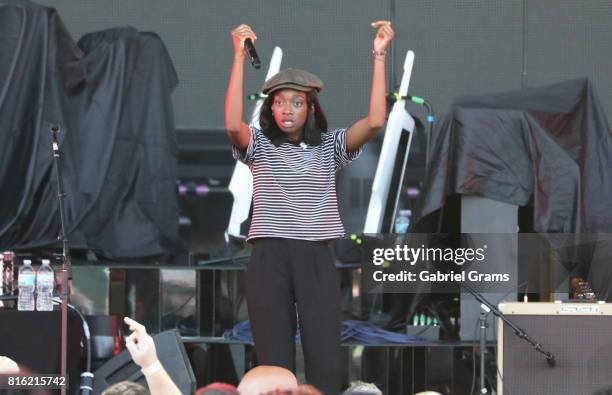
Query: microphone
[[86, 386], [550, 360], [249, 48]]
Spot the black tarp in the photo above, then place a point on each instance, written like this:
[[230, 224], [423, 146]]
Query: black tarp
[[550, 147], [110, 94]]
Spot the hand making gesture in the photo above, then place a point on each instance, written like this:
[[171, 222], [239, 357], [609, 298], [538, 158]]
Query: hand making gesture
[[140, 344], [384, 35], [142, 349]]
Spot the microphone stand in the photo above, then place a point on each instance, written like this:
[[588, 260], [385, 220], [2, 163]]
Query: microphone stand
[[65, 255], [87, 377], [485, 308]]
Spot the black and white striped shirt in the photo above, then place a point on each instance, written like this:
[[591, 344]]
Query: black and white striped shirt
[[294, 186]]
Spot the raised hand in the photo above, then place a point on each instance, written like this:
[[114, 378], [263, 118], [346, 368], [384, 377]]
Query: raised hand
[[239, 35], [384, 35], [142, 349], [140, 344]]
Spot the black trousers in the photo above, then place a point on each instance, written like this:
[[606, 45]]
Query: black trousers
[[286, 276]]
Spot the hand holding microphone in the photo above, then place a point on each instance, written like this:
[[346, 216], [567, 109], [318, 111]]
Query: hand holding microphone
[[243, 38]]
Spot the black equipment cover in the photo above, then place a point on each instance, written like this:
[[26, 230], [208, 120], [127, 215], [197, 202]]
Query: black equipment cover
[[550, 147], [110, 96]]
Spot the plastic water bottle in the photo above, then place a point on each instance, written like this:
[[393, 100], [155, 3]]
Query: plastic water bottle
[[402, 222], [26, 283], [45, 283]]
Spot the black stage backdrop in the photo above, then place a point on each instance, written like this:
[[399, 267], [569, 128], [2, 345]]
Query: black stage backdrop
[[110, 94]]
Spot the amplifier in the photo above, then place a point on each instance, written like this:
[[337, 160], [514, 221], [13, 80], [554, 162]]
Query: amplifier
[[579, 335]]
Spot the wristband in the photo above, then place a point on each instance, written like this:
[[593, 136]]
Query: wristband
[[379, 53], [152, 369]]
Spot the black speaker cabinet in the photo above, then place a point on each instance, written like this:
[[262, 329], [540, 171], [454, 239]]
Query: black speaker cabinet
[[32, 339], [171, 354], [579, 335]]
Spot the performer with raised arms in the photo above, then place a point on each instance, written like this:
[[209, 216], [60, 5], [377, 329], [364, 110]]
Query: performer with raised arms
[[294, 159]]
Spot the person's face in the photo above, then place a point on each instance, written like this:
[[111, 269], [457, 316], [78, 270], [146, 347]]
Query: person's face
[[290, 109]]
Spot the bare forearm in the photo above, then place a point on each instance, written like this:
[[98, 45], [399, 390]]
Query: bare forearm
[[366, 128], [237, 131], [233, 98], [378, 100], [160, 383]]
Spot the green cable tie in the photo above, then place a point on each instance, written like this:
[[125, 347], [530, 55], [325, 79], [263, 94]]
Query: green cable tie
[[417, 100]]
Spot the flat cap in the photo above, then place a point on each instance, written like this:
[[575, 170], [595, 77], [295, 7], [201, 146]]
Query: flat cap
[[292, 79]]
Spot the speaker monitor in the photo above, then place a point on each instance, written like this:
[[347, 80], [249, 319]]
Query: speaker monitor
[[577, 334], [171, 354], [32, 339]]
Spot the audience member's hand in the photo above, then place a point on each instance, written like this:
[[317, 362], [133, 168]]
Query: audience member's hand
[[140, 344]]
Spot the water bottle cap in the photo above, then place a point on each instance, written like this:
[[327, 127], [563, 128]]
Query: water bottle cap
[[46, 262], [27, 262]]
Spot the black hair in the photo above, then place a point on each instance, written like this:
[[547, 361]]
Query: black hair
[[315, 124]]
